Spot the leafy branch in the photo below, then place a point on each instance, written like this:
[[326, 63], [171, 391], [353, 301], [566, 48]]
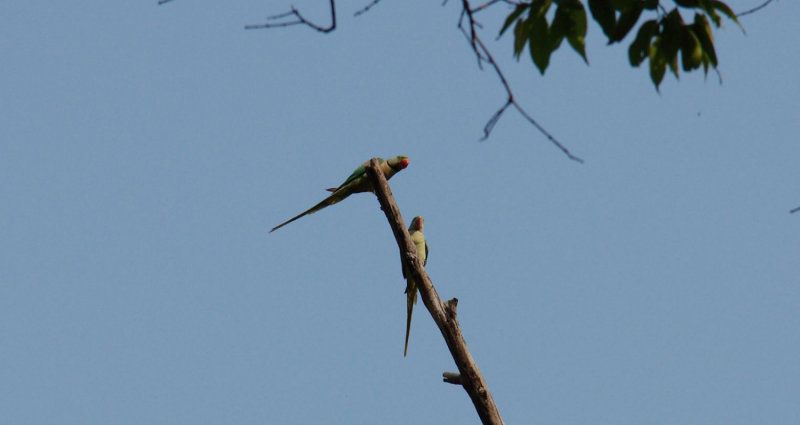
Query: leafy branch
[[660, 40]]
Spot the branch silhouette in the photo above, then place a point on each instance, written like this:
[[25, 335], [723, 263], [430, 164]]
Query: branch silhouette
[[300, 20], [366, 8], [755, 9], [483, 55], [468, 28], [444, 314], [476, 44]]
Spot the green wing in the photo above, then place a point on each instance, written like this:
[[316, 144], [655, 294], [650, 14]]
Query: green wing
[[360, 171]]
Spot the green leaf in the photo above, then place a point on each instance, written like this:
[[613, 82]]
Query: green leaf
[[673, 64], [539, 45], [691, 4], [514, 15], [702, 30], [621, 5], [627, 20], [539, 8], [640, 48], [520, 37], [691, 50], [658, 66], [651, 4], [671, 31], [560, 27], [604, 14], [709, 9], [577, 31], [722, 7]]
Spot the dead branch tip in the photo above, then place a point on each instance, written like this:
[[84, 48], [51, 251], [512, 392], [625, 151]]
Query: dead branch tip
[[299, 20], [451, 378]]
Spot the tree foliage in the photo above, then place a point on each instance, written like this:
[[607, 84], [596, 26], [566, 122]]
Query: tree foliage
[[661, 40]]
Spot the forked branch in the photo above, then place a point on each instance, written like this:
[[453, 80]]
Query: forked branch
[[298, 20], [467, 25], [443, 314]]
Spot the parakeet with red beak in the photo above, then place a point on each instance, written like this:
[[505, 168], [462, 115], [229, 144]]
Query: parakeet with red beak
[[415, 230], [357, 182]]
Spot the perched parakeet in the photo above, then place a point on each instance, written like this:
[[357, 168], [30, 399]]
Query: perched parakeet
[[357, 182], [415, 230]]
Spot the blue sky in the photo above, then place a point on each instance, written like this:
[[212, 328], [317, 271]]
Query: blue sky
[[146, 152]]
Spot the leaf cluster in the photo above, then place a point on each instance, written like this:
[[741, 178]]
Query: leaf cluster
[[661, 40], [543, 37]]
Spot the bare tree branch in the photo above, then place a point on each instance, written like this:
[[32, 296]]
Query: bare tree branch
[[491, 2], [367, 7], [300, 20], [444, 315], [493, 120], [794, 210], [755, 9], [478, 47], [467, 25], [483, 55]]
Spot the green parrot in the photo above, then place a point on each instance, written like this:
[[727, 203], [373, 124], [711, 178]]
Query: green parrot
[[415, 230], [357, 182]]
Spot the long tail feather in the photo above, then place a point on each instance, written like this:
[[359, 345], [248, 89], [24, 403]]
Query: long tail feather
[[330, 200], [289, 221], [411, 291]]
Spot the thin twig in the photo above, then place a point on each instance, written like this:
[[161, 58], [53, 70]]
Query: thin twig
[[471, 35], [491, 2], [367, 7], [794, 210], [493, 120], [163, 1], [548, 135], [467, 24], [483, 55], [755, 9], [300, 20]]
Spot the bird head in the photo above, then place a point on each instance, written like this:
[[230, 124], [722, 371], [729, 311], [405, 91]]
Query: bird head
[[417, 223], [399, 162]]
